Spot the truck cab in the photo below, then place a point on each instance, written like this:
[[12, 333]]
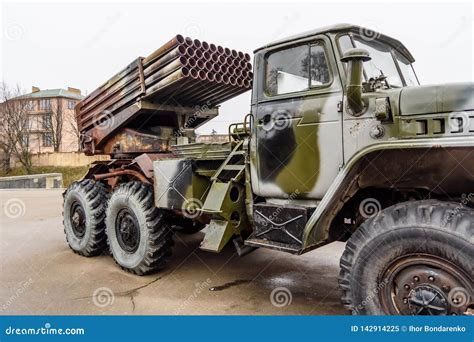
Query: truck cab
[[339, 99], [300, 112]]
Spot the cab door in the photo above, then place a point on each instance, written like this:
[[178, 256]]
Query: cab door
[[296, 144]]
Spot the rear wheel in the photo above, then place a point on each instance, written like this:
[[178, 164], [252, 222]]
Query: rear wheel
[[83, 217], [138, 236], [413, 258]]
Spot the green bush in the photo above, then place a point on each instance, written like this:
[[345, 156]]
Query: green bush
[[70, 174]]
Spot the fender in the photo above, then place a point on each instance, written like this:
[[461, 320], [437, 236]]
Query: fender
[[450, 154]]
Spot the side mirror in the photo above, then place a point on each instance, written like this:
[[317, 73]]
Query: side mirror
[[354, 59]]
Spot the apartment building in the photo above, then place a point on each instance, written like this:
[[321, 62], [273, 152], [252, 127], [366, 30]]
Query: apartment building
[[44, 107]]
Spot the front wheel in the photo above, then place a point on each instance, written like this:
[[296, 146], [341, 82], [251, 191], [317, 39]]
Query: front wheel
[[138, 236], [413, 258]]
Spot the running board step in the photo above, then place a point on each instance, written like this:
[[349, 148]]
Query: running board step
[[218, 233], [282, 224]]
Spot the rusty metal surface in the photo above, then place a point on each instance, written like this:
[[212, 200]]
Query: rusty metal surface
[[133, 173], [132, 141], [184, 71], [149, 118]]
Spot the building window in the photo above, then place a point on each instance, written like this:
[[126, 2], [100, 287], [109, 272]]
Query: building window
[[71, 104], [47, 140], [296, 69], [25, 139], [45, 104], [47, 122], [30, 105]]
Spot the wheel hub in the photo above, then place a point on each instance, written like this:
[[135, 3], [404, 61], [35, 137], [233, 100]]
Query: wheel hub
[[427, 300], [78, 220], [127, 230], [424, 285]]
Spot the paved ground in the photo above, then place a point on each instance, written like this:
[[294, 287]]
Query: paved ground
[[40, 275]]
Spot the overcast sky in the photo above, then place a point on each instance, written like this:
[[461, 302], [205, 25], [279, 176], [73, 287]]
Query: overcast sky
[[56, 45]]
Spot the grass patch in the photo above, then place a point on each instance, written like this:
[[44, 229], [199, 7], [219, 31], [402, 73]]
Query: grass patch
[[70, 174]]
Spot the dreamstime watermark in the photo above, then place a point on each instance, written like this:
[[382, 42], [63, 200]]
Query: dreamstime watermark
[[17, 294], [13, 31], [14, 208], [464, 25], [369, 34], [103, 296], [459, 297], [191, 120], [465, 200], [192, 29], [192, 208], [369, 299], [281, 297], [285, 24], [108, 23], [278, 121], [199, 288], [280, 208], [105, 121], [369, 207], [360, 127], [47, 329]]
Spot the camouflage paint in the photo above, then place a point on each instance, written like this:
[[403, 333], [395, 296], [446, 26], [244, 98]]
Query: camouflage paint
[[297, 136], [416, 117]]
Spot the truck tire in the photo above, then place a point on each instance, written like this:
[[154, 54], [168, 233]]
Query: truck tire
[[138, 236], [414, 258], [83, 217]]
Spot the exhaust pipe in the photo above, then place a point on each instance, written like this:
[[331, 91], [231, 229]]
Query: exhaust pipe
[[354, 59]]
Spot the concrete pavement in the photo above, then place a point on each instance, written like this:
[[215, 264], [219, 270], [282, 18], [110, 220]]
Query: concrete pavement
[[40, 274]]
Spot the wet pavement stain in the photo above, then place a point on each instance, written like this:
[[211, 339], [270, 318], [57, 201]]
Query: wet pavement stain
[[231, 284]]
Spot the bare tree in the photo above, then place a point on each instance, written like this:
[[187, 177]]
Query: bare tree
[[6, 134], [72, 128], [53, 123], [14, 128]]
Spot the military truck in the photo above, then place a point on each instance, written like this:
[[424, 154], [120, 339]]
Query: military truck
[[342, 143]]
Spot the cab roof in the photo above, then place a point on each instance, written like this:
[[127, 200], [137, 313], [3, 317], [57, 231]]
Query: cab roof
[[343, 28]]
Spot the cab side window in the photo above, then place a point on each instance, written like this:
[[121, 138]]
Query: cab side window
[[296, 69], [318, 67]]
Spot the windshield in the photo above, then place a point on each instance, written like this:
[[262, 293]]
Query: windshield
[[382, 62], [407, 70]]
